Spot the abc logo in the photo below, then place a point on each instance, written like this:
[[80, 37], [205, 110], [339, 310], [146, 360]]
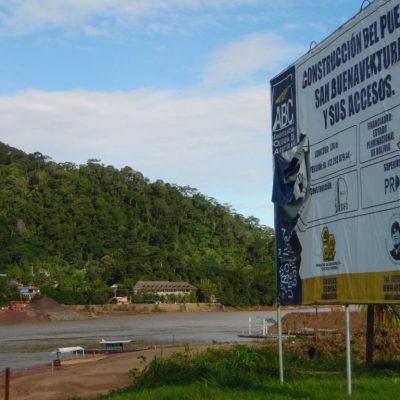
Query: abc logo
[[284, 115]]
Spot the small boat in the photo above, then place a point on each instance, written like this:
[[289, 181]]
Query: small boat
[[115, 345], [67, 353]]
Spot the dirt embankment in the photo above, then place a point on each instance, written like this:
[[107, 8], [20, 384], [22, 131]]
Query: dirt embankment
[[134, 308], [45, 310], [42, 310], [324, 333], [322, 322]]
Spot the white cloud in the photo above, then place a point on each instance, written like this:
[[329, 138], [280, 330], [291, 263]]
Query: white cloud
[[19, 17], [216, 143], [241, 59]]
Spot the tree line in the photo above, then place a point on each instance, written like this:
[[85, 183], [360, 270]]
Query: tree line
[[75, 230]]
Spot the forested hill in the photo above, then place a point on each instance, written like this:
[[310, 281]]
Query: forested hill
[[80, 229]]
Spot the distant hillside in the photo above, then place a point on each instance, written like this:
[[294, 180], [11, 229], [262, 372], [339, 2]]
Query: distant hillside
[[83, 228]]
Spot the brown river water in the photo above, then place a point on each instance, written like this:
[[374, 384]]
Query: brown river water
[[28, 345]]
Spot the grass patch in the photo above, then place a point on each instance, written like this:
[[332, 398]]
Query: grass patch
[[246, 372], [307, 389]]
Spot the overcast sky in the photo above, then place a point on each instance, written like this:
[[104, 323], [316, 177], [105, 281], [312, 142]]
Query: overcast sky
[[176, 89]]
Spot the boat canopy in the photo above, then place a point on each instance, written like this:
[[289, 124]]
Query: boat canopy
[[68, 350], [114, 342]]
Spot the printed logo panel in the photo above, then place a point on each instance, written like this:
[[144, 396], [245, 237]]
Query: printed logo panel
[[283, 89]]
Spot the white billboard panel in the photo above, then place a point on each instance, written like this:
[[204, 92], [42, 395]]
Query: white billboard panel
[[336, 146]]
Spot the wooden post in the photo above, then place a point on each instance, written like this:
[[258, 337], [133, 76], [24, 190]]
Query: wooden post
[[7, 385], [369, 348]]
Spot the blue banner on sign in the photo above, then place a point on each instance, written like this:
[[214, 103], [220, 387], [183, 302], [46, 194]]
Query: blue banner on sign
[[283, 93], [290, 193], [288, 259]]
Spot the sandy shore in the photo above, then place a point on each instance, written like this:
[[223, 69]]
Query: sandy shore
[[86, 380]]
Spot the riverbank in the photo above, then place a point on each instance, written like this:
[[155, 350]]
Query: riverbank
[[237, 369], [99, 310], [48, 310], [86, 380], [209, 329]]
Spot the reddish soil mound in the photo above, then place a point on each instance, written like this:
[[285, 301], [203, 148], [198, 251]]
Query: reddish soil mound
[[303, 322], [41, 310], [46, 304]]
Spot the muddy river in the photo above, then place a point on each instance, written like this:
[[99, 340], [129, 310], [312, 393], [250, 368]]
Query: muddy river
[[27, 345]]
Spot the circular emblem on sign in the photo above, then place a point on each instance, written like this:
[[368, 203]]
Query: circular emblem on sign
[[393, 237]]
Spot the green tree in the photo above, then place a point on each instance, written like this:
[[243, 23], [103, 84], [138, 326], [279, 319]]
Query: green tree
[[90, 226]]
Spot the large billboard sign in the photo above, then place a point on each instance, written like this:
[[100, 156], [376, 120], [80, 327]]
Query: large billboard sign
[[336, 149]]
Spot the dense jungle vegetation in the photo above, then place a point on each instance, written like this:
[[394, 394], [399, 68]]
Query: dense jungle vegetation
[[75, 230]]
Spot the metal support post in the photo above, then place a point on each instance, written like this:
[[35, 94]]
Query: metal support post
[[348, 351], [280, 347]]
